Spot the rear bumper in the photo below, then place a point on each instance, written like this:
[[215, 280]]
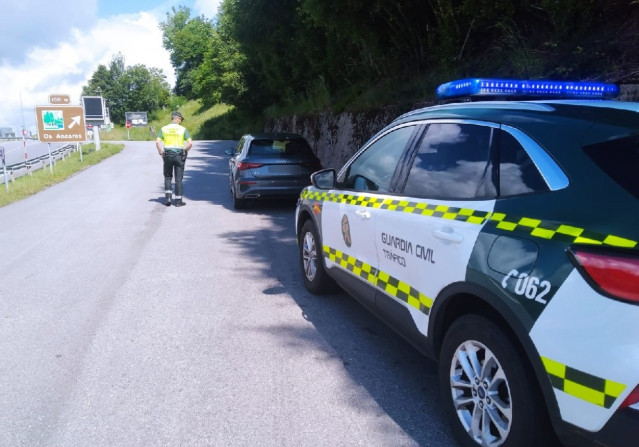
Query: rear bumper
[[258, 189]]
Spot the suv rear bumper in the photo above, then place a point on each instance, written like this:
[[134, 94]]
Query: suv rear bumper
[[269, 189]]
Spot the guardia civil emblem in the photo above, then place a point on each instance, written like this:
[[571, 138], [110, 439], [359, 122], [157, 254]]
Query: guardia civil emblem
[[346, 231]]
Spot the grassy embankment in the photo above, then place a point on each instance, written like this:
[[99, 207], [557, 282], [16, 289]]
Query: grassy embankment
[[220, 122], [217, 123]]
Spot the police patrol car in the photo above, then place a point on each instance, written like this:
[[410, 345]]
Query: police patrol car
[[501, 238]]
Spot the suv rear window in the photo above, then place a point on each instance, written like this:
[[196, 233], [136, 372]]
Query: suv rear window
[[279, 148], [620, 160]]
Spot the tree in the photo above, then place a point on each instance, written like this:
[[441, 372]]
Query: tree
[[187, 40], [128, 89], [273, 52], [220, 77]]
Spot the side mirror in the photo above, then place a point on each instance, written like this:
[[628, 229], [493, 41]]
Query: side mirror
[[324, 179]]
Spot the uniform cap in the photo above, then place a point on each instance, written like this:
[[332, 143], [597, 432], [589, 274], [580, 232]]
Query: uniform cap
[[178, 114]]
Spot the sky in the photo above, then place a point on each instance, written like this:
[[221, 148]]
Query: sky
[[55, 47]]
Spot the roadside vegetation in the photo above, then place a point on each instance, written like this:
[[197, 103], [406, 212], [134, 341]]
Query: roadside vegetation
[[40, 179], [297, 57], [219, 122], [262, 59], [129, 89]]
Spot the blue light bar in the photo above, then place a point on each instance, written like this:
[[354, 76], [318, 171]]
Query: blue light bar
[[536, 89]]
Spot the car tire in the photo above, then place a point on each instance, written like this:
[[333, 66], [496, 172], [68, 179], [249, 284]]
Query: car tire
[[500, 405], [238, 204], [316, 280]]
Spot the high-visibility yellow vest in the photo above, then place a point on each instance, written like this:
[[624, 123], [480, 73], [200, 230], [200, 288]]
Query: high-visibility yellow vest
[[174, 136]]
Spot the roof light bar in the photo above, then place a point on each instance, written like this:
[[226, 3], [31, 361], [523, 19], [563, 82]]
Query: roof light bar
[[537, 89]]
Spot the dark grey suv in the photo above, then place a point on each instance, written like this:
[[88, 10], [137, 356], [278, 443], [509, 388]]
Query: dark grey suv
[[270, 165]]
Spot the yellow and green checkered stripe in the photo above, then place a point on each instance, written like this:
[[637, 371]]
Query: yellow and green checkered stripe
[[402, 206], [584, 386], [532, 227], [381, 280], [551, 231]]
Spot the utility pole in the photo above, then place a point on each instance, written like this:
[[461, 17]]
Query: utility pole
[[24, 140]]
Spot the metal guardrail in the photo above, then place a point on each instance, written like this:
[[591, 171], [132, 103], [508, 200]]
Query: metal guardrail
[[17, 170]]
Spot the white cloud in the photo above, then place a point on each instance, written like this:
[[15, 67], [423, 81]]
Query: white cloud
[[137, 37], [26, 23], [61, 47], [207, 7], [65, 67]]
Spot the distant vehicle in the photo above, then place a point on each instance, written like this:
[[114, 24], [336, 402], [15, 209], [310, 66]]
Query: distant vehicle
[[7, 132], [501, 238], [270, 165]]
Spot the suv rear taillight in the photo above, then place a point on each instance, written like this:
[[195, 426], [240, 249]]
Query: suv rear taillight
[[243, 166], [614, 273]]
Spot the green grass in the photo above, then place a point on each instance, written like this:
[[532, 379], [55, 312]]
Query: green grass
[[201, 124], [119, 133], [230, 125], [28, 185]]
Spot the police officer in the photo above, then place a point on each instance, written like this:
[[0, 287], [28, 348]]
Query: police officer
[[171, 146]]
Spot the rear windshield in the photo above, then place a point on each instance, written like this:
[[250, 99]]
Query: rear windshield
[[620, 160], [279, 148]]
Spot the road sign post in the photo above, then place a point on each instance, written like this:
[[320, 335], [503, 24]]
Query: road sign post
[[24, 146], [4, 170], [96, 137], [50, 158]]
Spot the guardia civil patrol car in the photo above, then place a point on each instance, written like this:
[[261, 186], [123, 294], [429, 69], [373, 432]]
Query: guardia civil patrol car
[[500, 238]]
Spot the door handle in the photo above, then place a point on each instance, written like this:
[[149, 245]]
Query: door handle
[[448, 234], [364, 214]]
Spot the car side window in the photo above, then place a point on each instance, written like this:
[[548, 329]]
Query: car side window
[[240, 145], [453, 162], [518, 174], [373, 169]]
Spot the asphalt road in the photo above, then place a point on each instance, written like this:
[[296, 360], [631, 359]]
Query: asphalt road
[[127, 323]]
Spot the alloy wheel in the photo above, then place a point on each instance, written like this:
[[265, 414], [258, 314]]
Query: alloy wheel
[[309, 256], [481, 394]]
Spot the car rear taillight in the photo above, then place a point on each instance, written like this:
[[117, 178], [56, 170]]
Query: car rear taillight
[[613, 272], [632, 398], [243, 166]]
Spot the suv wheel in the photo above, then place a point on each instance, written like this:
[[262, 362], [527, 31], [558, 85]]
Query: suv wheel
[[316, 280], [489, 394], [238, 204]]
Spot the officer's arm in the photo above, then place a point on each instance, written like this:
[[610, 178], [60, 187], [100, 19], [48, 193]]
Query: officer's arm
[[189, 145], [158, 145]]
